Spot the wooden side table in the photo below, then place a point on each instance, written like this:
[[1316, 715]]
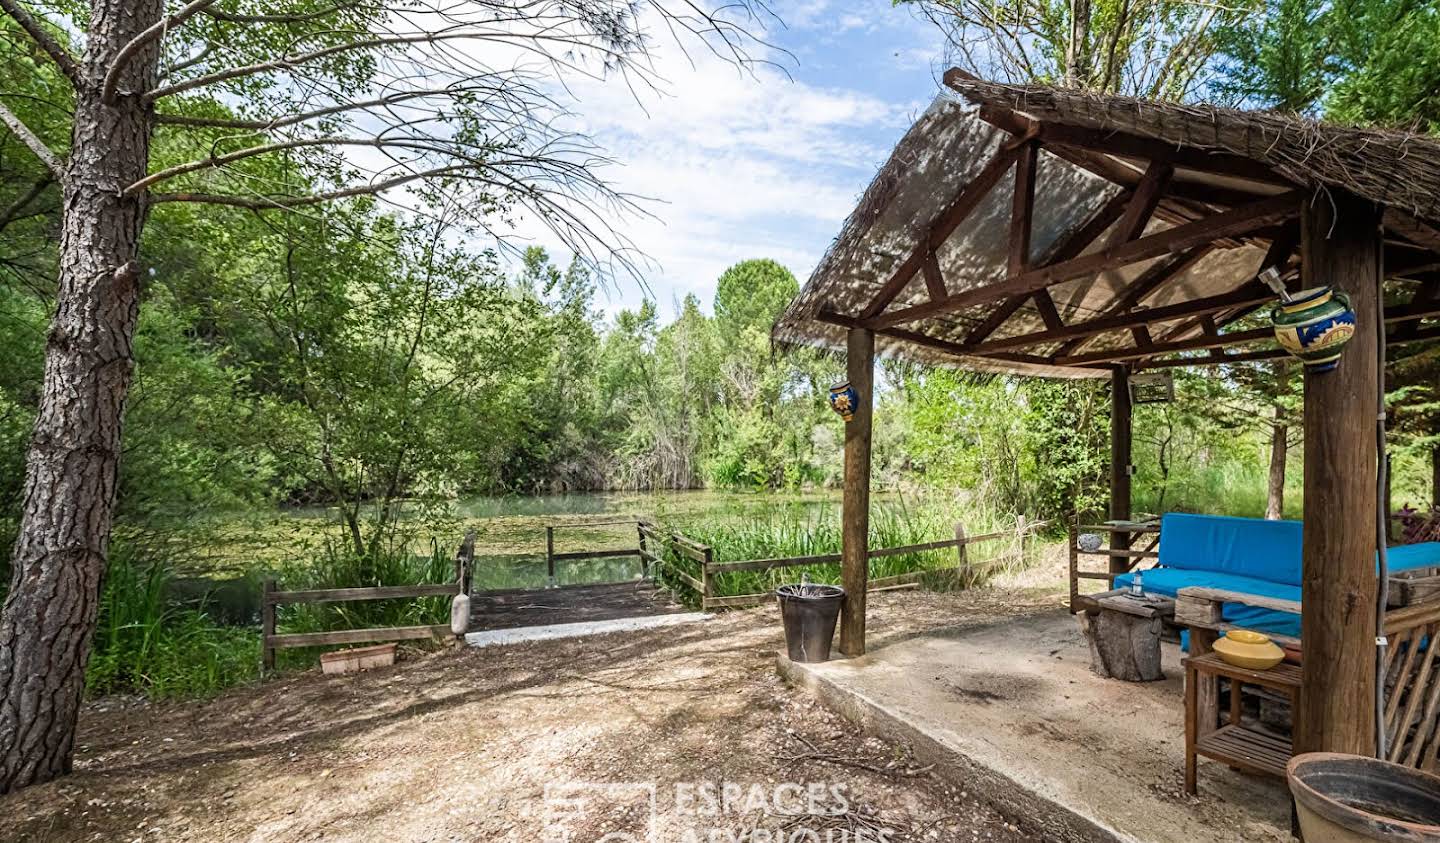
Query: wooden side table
[[1124, 633], [1233, 743]]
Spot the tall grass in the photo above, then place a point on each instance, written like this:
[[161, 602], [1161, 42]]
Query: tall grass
[[792, 532], [149, 643], [336, 567]]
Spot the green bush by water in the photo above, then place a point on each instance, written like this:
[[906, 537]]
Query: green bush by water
[[148, 643], [789, 532]]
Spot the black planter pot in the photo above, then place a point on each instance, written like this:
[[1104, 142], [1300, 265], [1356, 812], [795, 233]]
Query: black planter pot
[[809, 613]]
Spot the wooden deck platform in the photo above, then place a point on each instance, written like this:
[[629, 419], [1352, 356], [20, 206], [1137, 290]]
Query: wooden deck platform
[[515, 608]]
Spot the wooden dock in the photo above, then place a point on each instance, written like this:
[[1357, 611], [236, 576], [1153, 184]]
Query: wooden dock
[[515, 608]]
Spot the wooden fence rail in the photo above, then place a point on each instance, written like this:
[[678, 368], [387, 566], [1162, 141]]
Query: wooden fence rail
[[653, 540], [272, 597]]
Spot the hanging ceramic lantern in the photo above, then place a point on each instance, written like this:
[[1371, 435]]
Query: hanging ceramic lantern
[[1314, 325], [844, 400]]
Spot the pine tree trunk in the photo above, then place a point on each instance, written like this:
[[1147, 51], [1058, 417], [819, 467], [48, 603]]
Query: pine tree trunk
[[69, 498], [1435, 476], [1275, 491]]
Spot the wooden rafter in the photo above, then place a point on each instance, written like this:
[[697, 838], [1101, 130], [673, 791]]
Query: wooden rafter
[[1049, 314], [1416, 231], [1398, 315], [1063, 250], [1142, 204], [1022, 209], [926, 340], [1182, 237], [934, 280], [1144, 284], [1277, 256], [1247, 295], [1428, 294], [961, 207]]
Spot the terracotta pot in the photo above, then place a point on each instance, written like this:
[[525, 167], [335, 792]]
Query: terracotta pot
[[1315, 326], [1350, 798]]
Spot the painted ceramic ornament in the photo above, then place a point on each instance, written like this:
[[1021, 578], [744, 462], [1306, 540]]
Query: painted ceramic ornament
[[1314, 325], [844, 400]]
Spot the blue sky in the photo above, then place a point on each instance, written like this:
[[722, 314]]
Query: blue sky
[[765, 164]]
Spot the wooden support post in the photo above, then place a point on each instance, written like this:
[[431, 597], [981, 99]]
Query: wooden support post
[[1340, 247], [855, 510], [1121, 418], [962, 557], [641, 549], [267, 625], [550, 556], [707, 578]]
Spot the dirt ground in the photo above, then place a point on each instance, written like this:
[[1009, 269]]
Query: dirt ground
[[686, 731]]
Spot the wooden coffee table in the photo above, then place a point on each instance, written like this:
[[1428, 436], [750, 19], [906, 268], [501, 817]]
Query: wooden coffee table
[[1124, 633], [1233, 743]]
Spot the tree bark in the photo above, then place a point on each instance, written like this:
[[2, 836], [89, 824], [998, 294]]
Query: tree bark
[[69, 494], [1279, 450], [1435, 477]]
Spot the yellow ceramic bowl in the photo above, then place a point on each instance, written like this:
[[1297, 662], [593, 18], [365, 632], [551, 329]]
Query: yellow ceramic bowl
[[1244, 648]]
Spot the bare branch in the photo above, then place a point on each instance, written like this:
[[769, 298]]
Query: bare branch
[[291, 62], [304, 116], [16, 211], [27, 137], [47, 42], [108, 90], [299, 17], [270, 203]]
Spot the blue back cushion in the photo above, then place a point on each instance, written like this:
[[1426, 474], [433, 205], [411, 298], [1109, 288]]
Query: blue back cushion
[[1250, 547]]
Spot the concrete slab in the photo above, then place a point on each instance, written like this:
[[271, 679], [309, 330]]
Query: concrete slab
[[496, 637], [1012, 711]]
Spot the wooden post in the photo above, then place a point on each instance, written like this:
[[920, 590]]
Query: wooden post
[[962, 556], [550, 556], [1074, 540], [707, 579], [640, 545], [855, 510], [1121, 418], [1340, 247], [267, 625]]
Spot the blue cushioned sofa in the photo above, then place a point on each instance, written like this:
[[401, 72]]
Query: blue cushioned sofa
[[1249, 555]]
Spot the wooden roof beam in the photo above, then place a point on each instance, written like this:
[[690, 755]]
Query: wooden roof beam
[[1247, 295], [1142, 204], [927, 341], [1408, 313], [1022, 208], [1063, 250], [1114, 142], [1416, 231], [1182, 237], [1143, 285], [944, 225]]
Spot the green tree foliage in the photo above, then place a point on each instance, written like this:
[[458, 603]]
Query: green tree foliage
[[1355, 61]]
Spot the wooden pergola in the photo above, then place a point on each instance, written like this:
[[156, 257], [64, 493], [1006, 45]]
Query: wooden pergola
[[1039, 231]]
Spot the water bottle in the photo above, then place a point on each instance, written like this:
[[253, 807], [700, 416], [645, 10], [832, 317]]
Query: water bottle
[[1137, 585]]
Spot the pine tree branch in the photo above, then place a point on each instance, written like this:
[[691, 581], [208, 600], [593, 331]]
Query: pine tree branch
[[27, 137], [271, 203], [17, 208], [109, 89], [47, 42]]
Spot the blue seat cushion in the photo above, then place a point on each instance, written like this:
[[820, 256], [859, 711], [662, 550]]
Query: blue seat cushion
[[1222, 544], [1169, 581]]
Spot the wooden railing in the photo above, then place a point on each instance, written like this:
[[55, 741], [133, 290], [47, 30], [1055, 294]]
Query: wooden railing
[[551, 557], [1129, 557], [654, 541], [271, 597]]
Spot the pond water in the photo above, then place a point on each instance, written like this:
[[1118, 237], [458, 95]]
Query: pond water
[[510, 545]]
